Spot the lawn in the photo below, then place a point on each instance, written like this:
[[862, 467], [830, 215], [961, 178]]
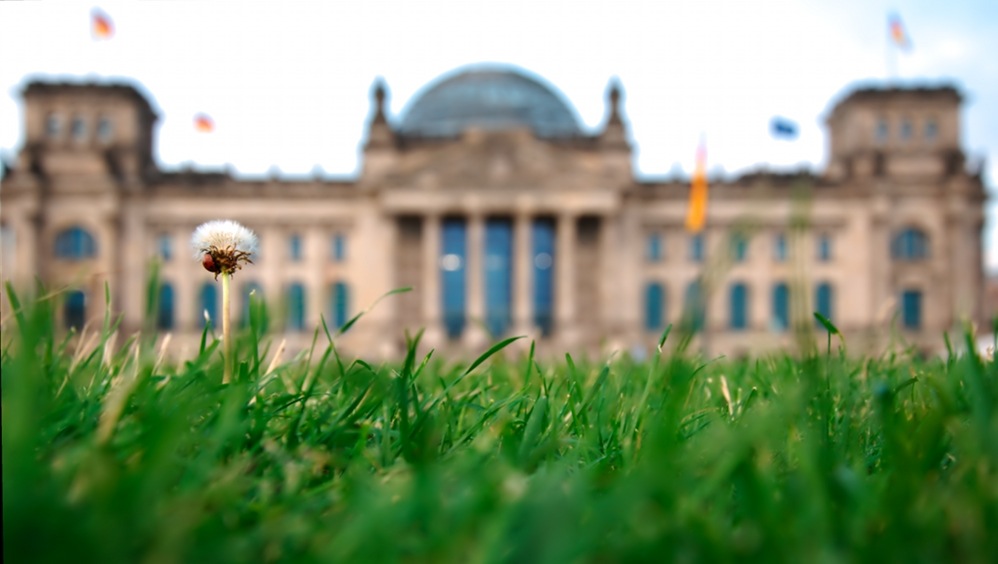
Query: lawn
[[115, 454]]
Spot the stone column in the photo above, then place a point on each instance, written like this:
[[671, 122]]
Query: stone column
[[523, 323], [187, 284], [316, 245], [475, 335], [432, 318], [564, 273]]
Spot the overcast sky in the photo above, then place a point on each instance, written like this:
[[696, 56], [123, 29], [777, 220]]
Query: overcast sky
[[288, 83]]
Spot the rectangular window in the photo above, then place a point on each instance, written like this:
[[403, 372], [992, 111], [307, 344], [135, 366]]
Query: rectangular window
[[294, 247], [911, 309], [739, 306], [781, 307], [497, 275], [653, 247], [739, 247], [824, 248], [654, 306], [543, 253], [780, 247], [164, 247], [697, 250], [452, 276], [931, 130], [906, 129], [882, 131], [339, 247]]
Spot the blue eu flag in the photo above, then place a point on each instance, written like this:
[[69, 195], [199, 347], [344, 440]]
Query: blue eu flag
[[782, 127]]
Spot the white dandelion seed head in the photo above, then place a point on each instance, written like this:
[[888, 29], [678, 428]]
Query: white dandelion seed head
[[221, 235]]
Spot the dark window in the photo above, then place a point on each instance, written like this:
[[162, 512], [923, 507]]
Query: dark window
[[931, 130], [911, 309], [653, 247], [296, 307], [780, 247], [883, 131], [739, 247], [695, 306], [910, 244], [739, 306], [781, 307], [75, 243], [654, 307], [294, 247], [164, 310], [341, 304], [53, 125], [105, 129], [543, 253], [906, 130], [79, 129], [74, 310], [164, 246], [824, 300], [498, 275], [824, 248], [697, 251], [253, 302], [209, 303], [452, 275], [339, 247]]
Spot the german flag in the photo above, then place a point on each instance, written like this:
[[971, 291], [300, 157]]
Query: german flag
[[100, 25], [696, 214], [203, 123], [898, 34]]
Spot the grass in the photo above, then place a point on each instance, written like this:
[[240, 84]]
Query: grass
[[115, 455]]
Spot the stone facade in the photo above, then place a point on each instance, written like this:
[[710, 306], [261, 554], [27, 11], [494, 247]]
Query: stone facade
[[887, 237]]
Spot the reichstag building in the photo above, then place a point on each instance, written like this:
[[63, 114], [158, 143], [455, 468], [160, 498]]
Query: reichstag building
[[507, 217]]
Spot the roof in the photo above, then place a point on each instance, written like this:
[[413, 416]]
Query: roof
[[121, 89], [492, 98]]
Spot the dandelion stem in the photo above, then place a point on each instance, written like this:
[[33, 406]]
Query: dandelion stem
[[227, 327]]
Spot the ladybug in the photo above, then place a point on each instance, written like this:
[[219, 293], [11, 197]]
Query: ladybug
[[209, 264]]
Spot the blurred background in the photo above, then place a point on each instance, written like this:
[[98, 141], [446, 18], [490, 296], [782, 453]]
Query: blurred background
[[268, 88]]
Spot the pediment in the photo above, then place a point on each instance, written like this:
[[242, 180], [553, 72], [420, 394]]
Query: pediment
[[493, 159]]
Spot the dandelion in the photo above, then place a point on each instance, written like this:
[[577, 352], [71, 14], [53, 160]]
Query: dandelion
[[223, 247]]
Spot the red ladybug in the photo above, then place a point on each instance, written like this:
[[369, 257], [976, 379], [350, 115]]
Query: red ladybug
[[209, 264]]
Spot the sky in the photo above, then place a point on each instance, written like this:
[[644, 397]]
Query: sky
[[288, 84]]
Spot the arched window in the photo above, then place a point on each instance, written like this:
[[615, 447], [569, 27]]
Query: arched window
[[910, 244], [824, 299], [164, 313], [654, 306], [296, 307], [739, 306], [209, 303], [74, 310], [695, 306], [781, 307], [75, 243], [341, 304]]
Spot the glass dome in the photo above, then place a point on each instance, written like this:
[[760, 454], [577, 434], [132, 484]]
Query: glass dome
[[490, 98]]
